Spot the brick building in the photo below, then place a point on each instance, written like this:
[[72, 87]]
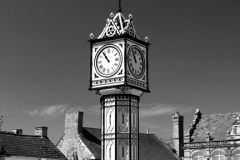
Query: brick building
[[16, 146], [210, 137], [84, 143]]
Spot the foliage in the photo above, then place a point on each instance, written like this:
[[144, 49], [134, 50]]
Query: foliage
[[2, 146]]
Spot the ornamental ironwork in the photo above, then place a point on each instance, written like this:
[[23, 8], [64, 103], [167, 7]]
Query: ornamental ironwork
[[118, 25]]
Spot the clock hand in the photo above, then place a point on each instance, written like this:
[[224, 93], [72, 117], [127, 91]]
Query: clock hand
[[134, 57], [106, 57]]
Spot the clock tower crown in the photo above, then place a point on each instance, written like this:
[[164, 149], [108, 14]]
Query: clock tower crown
[[118, 25], [119, 59]]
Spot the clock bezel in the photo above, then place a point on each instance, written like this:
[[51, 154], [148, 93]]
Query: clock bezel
[[97, 56], [143, 61]]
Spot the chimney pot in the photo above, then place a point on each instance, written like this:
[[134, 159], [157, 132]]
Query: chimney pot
[[18, 131], [41, 131], [147, 131]]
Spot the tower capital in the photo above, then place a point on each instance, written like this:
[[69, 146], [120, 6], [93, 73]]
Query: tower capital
[[121, 90]]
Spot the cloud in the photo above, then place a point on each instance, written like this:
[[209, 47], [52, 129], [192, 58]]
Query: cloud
[[146, 110], [149, 110], [94, 109], [55, 110], [49, 111]]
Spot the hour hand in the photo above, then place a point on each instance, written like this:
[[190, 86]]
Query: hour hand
[[106, 57], [134, 57]]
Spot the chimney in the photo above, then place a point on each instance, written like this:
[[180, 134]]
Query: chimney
[[41, 131], [147, 131], [17, 131], [178, 138], [73, 122], [208, 137]]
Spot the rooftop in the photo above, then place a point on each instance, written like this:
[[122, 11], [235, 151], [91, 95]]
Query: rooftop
[[151, 146], [216, 124], [29, 146]]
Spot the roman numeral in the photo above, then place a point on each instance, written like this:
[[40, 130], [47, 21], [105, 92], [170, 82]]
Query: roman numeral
[[115, 64], [116, 59], [108, 50]]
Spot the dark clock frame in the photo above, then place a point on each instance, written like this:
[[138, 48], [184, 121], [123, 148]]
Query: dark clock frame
[[124, 37], [141, 54]]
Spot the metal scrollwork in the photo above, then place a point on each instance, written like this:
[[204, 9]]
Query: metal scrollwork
[[111, 31]]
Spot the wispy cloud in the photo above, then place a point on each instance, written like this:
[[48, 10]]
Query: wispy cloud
[[52, 110], [146, 110], [55, 110], [149, 110], [94, 109]]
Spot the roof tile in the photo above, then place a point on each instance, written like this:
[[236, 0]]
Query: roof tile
[[29, 146]]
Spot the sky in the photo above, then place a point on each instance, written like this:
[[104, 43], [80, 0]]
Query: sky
[[45, 54]]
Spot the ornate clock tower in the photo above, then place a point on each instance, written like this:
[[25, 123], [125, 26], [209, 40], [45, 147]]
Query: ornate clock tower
[[119, 74]]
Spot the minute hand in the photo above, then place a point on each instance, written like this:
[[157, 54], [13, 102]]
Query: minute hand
[[106, 57]]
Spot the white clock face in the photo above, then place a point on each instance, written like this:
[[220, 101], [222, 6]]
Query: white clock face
[[108, 61], [136, 62]]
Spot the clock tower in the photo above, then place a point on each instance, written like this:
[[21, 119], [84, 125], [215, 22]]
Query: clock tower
[[119, 74]]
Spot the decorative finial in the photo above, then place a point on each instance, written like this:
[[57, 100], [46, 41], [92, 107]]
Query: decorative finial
[[238, 118], [91, 36], [146, 39], [111, 15], [119, 8], [130, 16]]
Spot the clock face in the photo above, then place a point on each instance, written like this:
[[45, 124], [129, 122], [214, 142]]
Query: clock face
[[108, 61], [136, 62]]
